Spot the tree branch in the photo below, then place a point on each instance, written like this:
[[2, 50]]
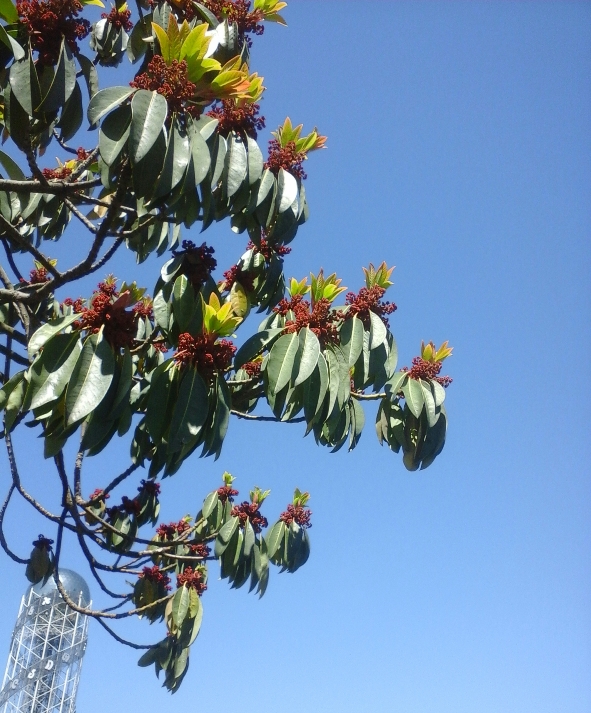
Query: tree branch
[[3, 542], [54, 188]]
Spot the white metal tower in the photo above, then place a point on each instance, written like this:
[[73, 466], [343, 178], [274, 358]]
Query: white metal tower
[[46, 651]]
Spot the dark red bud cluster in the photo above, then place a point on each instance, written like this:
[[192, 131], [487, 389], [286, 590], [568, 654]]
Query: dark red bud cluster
[[76, 305], [243, 120], [200, 550], [82, 154], [43, 543], [149, 487], [119, 19], [321, 319], [198, 263], [298, 514], [238, 11], [104, 311], [365, 300], [38, 276], [204, 352], [226, 492], [56, 174], [156, 575], [249, 511], [170, 531], [192, 579], [98, 494], [427, 370], [47, 22], [172, 82], [286, 157], [128, 506], [236, 274], [267, 250], [252, 368]]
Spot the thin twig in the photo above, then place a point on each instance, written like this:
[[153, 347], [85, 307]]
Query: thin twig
[[367, 397], [81, 217], [3, 542], [11, 261], [13, 234], [252, 417]]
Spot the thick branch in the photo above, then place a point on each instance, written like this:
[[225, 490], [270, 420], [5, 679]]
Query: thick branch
[[54, 188]]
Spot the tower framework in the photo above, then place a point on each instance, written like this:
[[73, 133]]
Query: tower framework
[[46, 650]]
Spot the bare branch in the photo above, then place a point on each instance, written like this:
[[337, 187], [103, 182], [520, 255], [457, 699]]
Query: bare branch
[[3, 542], [367, 397], [253, 417], [81, 217], [54, 188], [14, 235], [11, 261]]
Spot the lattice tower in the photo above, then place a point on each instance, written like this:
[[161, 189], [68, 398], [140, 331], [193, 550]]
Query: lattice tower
[[46, 651]]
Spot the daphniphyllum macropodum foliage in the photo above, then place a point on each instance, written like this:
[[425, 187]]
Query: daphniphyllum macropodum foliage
[[175, 150]]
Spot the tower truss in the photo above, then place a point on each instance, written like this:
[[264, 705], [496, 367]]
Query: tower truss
[[48, 643]]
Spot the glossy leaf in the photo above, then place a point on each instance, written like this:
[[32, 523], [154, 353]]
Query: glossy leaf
[[105, 101], [63, 83], [281, 360], [351, 334], [307, 356], [190, 411], [90, 379], [413, 393], [148, 114]]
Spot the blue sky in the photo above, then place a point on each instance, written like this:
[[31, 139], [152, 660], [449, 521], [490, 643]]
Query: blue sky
[[459, 151]]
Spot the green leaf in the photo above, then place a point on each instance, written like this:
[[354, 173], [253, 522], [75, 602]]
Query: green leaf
[[396, 383], [10, 42], [275, 538], [209, 504], [287, 190], [90, 379], [175, 161], [14, 403], [44, 333], [377, 331], [351, 334], [255, 345], [249, 538], [281, 358], [183, 302], [256, 161], [220, 149], [191, 410], [228, 529], [63, 83], [90, 74], [413, 393], [52, 370], [180, 606], [236, 166], [200, 156], [105, 101], [307, 356], [24, 84], [432, 414], [114, 133], [9, 387], [72, 115], [8, 12], [438, 392], [161, 399], [148, 114]]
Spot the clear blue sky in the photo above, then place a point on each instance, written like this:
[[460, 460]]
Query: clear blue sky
[[459, 151]]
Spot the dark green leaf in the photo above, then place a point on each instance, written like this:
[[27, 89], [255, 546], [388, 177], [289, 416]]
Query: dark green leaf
[[377, 332], [90, 379], [413, 393], [190, 411], [10, 42], [307, 356], [44, 333], [148, 114], [236, 164], [114, 133], [175, 161], [281, 358], [106, 100], [72, 115], [52, 370], [63, 83], [287, 190], [8, 12], [200, 156], [255, 161], [24, 84], [255, 345], [351, 334], [89, 73], [274, 539], [180, 606]]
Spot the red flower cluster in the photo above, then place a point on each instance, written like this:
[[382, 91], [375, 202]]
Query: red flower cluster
[[129, 507], [235, 274], [149, 487], [119, 19], [241, 119], [227, 492], [286, 157], [38, 276], [168, 532], [56, 174], [205, 353], [321, 319], [267, 250], [156, 575], [43, 543], [238, 12], [77, 305], [48, 21], [82, 154], [98, 494], [105, 310], [427, 370], [198, 262], [252, 368], [200, 550], [193, 579], [170, 80], [298, 514], [249, 511], [365, 300]]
